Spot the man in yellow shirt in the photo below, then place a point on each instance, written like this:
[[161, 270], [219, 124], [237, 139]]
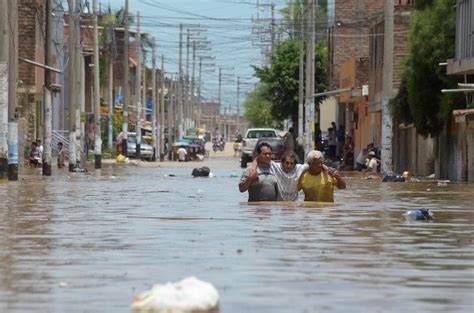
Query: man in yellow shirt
[[319, 181]]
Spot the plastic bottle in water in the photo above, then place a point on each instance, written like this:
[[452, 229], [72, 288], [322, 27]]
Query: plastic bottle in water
[[419, 215]]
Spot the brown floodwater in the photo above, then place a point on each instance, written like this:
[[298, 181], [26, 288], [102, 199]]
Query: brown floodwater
[[90, 242]]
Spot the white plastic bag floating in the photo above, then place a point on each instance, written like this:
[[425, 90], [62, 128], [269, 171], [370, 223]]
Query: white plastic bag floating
[[186, 296]]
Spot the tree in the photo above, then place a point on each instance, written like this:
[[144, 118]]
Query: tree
[[431, 40], [281, 76], [258, 108]]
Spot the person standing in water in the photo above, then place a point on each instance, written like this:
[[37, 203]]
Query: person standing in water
[[259, 180], [288, 173], [318, 182]]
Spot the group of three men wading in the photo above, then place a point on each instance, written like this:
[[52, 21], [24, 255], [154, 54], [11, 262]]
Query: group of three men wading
[[266, 180]]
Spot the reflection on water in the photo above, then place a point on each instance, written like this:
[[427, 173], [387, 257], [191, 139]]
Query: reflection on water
[[89, 243]]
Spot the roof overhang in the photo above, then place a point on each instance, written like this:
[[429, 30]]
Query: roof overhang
[[460, 67]]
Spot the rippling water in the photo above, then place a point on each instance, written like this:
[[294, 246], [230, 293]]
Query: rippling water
[[89, 243]]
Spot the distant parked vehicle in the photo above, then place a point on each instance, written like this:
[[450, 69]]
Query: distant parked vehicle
[[249, 142], [277, 144], [146, 151]]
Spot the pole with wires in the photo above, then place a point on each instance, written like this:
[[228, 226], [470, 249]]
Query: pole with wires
[[138, 88], [13, 156], [97, 131], [125, 83]]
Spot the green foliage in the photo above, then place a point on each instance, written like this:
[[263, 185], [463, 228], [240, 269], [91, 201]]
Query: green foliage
[[117, 122], [103, 70], [431, 41], [399, 106], [281, 78], [120, 18], [423, 4], [258, 108]]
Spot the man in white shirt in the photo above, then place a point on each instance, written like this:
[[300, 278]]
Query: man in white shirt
[[182, 153], [40, 148], [288, 173], [373, 163]]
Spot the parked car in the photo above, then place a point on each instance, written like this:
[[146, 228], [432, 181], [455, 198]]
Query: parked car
[[249, 142], [277, 144], [146, 151]]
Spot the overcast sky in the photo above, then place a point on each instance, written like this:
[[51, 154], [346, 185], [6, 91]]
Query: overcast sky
[[229, 30]]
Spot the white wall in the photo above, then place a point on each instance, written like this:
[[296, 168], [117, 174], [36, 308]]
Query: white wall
[[328, 109]]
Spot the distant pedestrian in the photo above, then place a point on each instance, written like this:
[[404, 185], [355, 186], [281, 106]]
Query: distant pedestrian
[[289, 140], [332, 144], [61, 155], [341, 139], [373, 163], [118, 141], [40, 149], [35, 159], [182, 153], [318, 138], [360, 161]]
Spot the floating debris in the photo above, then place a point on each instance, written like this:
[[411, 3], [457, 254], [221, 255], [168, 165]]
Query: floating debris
[[185, 296], [443, 182], [419, 215]]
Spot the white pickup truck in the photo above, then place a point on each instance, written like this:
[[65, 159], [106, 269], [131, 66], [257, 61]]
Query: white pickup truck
[[250, 140]]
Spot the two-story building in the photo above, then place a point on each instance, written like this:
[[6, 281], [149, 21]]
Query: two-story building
[[455, 158]]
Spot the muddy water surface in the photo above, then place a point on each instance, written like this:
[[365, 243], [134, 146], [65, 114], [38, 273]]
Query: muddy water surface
[[89, 243]]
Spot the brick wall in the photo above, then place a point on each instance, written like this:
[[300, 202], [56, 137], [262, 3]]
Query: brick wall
[[403, 16], [27, 40], [401, 27], [351, 32]]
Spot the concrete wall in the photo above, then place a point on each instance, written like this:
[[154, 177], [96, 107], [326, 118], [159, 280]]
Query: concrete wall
[[328, 110], [350, 35], [414, 153], [455, 160]]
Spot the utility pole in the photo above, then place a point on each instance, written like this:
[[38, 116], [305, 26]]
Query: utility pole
[[180, 83], [307, 139], [292, 18], [172, 98], [154, 103], [138, 89], [98, 138], [4, 79], [198, 122], [272, 28], [12, 92], [186, 84], [47, 92], [144, 85], [72, 90], [219, 95], [81, 116], [193, 86], [314, 6], [162, 110], [238, 103], [126, 88], [301, 77], [387, 89], [110, 97]]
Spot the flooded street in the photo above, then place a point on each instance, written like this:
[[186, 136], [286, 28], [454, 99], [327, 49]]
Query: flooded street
[[89, 243]]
